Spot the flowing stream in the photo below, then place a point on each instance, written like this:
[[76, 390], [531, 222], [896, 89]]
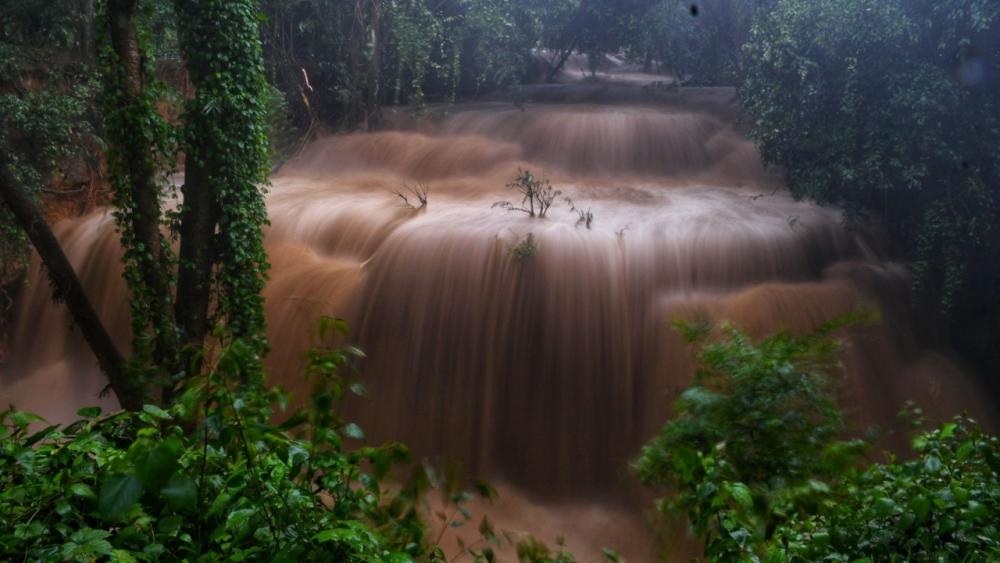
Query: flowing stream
[[541, 365]]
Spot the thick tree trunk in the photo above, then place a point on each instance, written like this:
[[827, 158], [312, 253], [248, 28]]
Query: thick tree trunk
[[66, 286], [132, 79], [199, 216]]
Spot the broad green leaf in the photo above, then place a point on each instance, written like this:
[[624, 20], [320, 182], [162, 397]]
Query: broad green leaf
[[155, 466], [118, 495]]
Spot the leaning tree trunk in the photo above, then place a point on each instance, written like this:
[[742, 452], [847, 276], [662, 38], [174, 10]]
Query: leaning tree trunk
[[562, 60], [66, 287]]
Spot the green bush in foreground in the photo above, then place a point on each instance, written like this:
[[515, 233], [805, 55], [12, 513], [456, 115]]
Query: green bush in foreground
[[752, 458], [209, 478], [942, 505]]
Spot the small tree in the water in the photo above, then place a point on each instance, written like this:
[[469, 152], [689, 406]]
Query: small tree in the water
[[537, 194]]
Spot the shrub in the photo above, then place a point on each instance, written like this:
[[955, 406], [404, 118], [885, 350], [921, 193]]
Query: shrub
[[753, 460], [942, 505], [537, 194], [751, 439]]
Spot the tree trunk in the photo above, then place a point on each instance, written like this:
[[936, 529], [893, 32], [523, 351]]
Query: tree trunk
[[562, 60], [66, 286], [374, 93], [131, 79], [199, 215], [357, 111]]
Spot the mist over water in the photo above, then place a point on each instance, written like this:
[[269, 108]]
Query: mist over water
[[545, 372]]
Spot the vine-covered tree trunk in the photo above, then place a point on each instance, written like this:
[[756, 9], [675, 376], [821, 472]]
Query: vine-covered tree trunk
[[226, 149], [66, 286], [133, 121]]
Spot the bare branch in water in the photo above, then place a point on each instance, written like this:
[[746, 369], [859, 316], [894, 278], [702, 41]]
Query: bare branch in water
[[420, 192]]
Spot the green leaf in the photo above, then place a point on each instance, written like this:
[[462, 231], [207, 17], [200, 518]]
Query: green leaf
[[932, 464], [169, 525], [82, 490], [22, 419], [118, 495], [921, 506], [741, 494], [155, 466], [157, 412], [89, 412], [122, 556], [181, 492], [352, 430], [40, 435], [885, 506]]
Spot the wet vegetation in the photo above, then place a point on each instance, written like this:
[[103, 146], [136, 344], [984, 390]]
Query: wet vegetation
[[757, 461], [888, 109]]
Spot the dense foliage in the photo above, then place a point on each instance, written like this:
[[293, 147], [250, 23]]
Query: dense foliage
[[140, 486], [40, 131], [212, 478], [753, 459], [892, 110], [751, 439], [941, 505]]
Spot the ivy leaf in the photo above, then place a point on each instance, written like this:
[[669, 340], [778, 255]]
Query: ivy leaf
[[932, 464]]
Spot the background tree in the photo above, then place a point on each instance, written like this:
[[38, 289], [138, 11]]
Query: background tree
[[890, 109]]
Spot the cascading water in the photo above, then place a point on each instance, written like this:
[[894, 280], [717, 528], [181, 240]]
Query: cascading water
[[548, 368]]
